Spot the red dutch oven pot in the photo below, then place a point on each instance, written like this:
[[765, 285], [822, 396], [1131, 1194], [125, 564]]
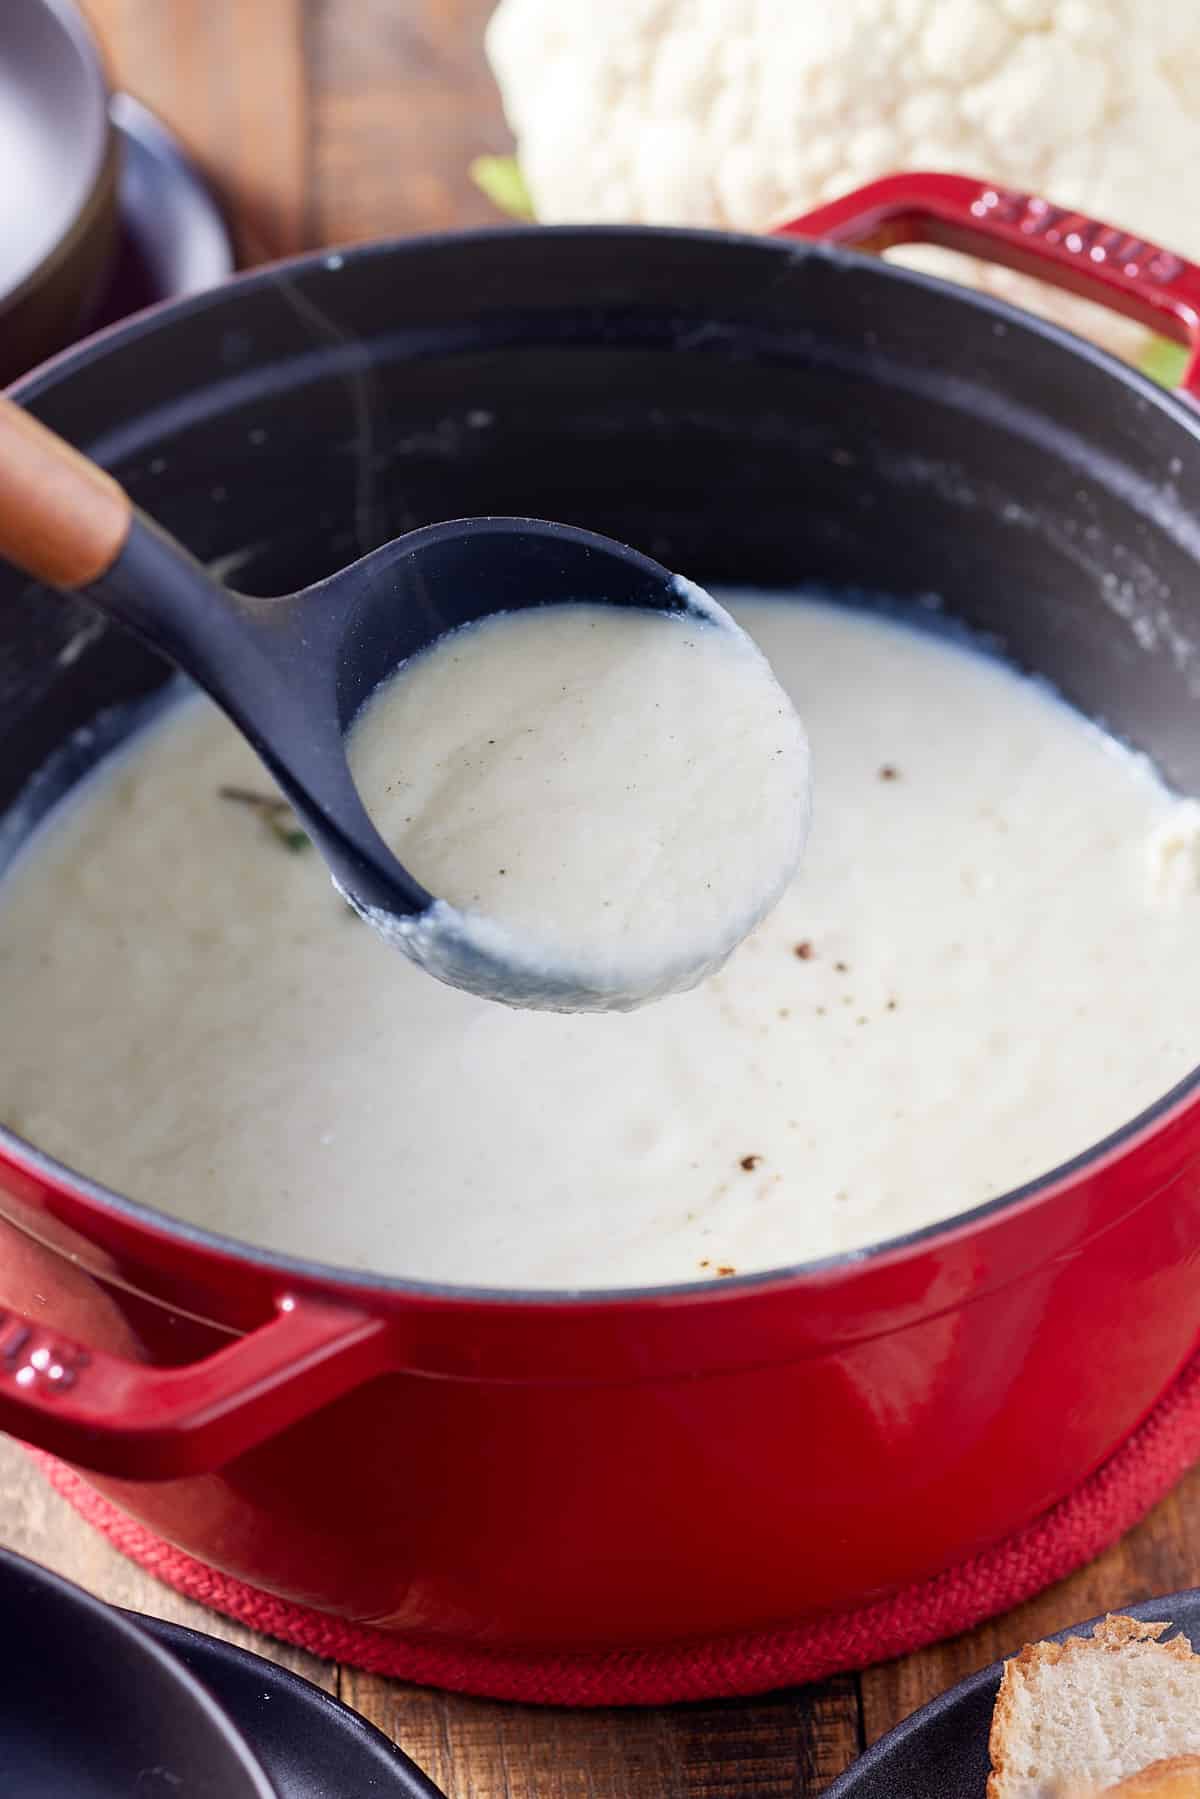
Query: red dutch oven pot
[[564, 1472]]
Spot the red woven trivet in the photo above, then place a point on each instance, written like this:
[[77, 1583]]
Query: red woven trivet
[[1116, 1496]]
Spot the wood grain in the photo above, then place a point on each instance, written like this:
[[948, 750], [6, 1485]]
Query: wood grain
[[232, 80], [790, 1743], [327, 121], [403, 102], [318, 121]]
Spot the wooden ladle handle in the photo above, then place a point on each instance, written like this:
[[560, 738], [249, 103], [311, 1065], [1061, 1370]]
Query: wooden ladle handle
[[62, 519]]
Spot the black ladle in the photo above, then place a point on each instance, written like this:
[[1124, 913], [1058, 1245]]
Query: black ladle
[[293, 671]]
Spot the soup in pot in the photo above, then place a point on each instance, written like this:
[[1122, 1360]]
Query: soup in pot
[[985, 965]]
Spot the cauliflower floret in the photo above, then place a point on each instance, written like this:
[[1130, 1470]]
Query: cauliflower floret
[[732, 112]]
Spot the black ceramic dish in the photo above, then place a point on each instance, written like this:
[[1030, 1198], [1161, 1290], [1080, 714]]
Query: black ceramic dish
[[59, 162], [91, 1706], [311, 1746], [941, 1752]]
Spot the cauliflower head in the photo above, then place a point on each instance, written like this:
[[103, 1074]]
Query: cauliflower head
[[734, 113]]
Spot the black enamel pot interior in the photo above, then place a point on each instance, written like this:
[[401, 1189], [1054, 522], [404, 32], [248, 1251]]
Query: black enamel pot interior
[[744, 410], [92, 1706]]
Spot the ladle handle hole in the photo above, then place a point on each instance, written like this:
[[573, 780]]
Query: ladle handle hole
[[139, 1422], [1100, 262]]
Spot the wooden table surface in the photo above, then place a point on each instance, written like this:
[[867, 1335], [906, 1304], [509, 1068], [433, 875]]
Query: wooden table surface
[[325, 121]]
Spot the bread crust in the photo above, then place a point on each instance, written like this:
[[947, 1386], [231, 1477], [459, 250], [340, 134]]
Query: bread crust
[[1178, 1777]]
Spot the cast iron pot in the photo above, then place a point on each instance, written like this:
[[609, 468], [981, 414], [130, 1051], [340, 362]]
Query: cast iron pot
[[504, 1473]]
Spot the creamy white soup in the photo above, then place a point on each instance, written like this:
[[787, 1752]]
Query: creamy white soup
[[986, 963], [604, 799]]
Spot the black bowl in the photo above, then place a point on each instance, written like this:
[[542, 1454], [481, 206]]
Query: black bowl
[[59, 166]]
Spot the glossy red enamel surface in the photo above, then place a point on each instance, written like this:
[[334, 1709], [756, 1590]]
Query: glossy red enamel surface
[[657, 1467], [640, 1468], [554, 1474]]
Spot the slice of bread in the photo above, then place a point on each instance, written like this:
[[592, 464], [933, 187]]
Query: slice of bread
[[1079, 1717]]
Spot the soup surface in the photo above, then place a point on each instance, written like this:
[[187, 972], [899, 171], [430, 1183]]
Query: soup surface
[[986, 963], [605, 800]]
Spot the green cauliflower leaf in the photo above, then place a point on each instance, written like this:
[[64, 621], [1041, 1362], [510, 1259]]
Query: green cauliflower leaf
[[500, 178]]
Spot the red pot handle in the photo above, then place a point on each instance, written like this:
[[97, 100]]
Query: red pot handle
[[1114, 267], [145, 1423]]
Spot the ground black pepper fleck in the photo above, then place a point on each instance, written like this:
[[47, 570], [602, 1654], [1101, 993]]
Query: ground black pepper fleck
[[804, 951], [750, 1163]]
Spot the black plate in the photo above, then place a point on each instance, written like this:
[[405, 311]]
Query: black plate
[[91, 1706], [309, 1745], [172, 238], [941, 1752]]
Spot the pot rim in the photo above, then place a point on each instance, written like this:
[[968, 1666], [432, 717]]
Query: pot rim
[[1093, 1160]]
